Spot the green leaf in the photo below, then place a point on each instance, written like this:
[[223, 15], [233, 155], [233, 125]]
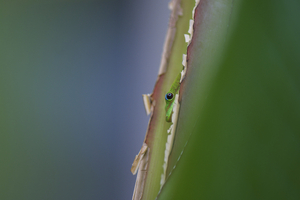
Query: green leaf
[[151, 177], [238, 134]]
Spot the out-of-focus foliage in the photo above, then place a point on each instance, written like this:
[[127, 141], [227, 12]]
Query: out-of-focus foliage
[[71, 77], [244, 129]]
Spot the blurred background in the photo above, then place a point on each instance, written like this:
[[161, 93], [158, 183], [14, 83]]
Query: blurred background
[[72, 75]]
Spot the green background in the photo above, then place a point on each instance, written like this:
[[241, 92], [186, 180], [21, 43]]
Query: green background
[[71, 78]]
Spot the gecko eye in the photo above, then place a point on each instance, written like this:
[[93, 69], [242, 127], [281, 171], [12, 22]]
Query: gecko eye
[[169, 96]]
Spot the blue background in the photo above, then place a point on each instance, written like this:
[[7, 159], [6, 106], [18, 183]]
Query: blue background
[[71, 78]]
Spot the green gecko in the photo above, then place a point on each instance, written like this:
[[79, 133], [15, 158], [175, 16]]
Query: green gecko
[[170, 97]]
